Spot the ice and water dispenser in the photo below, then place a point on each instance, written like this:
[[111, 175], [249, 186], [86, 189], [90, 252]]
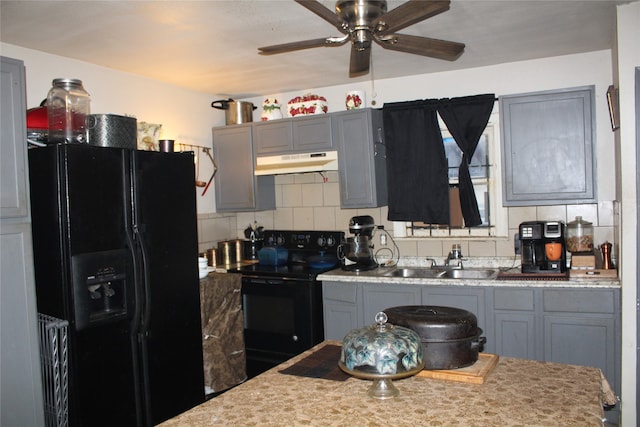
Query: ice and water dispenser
[[102, 287]]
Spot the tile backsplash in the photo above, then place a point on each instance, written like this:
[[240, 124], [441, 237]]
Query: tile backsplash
[[311, 201]]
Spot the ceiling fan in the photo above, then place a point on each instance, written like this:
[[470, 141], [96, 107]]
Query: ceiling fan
[[364, 21]]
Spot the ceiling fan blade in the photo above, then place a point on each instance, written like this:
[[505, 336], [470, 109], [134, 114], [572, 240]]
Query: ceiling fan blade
[[441, 49], [409, 13], [359, 62], [323, 12], [290, 47]]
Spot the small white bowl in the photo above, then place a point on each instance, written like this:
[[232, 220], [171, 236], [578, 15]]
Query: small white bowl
[[204, 272]]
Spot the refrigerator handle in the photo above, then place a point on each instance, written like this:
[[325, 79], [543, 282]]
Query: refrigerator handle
[[130, 231], [143, 288]]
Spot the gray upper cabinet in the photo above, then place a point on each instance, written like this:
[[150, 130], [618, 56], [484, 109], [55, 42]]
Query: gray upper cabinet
[[237, 188], [548, 146], [361, 158], [294, 135], [21, 381]]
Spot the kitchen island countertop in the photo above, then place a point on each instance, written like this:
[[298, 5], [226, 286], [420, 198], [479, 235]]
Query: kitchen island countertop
[[517, 392]]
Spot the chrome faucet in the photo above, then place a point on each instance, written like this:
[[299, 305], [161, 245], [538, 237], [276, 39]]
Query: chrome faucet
[[454, 259]]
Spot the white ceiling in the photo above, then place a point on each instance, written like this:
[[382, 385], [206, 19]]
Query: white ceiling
[[211, 46]]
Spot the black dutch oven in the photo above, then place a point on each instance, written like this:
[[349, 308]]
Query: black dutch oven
[[450, 336]]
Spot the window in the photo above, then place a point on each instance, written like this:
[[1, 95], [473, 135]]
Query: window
[[486, 178]]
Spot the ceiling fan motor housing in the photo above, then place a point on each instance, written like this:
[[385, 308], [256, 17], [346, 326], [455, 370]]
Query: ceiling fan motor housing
[[360, 13], [358, 17]]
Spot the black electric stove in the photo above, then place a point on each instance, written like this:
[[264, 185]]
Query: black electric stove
[[282, 306], [302, 246]]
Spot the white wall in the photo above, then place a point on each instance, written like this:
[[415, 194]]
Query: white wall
[[628, 58], [185, 115]]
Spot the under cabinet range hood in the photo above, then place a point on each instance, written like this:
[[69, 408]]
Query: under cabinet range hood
[[297, 163]]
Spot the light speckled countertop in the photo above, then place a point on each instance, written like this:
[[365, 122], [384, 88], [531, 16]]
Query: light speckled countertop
[[517, 392], [503, 264]]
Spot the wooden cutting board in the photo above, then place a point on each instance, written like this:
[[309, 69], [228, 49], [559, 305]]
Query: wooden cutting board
[[474, 374]]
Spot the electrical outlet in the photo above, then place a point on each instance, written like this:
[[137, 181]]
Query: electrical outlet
[[516, 243], [383, 240]]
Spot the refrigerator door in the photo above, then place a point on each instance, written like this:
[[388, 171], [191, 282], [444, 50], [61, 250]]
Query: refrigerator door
[[79, 231], [171, 334]]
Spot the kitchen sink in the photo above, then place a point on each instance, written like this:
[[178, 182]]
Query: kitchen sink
[[429, 273], [470, 274], [415, 272]]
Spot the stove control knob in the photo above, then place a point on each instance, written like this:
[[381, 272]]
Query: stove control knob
[[331, 241], [294, 338], [322, 241], [280, 240]]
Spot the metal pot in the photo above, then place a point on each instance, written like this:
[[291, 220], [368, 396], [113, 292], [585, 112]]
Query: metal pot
[[236, 112], [450, 336], [230, 251]]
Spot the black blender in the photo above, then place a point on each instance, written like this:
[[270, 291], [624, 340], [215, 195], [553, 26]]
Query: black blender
[[356, 253]]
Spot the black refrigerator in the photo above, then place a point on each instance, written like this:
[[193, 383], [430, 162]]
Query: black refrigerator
[[115, 254]]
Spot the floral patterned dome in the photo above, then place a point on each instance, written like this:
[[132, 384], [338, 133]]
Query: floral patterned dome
[[381, 352]]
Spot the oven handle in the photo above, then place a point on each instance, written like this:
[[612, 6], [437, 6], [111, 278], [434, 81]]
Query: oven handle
[[273, 281]]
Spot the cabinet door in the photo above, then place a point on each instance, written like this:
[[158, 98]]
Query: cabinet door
[[363, 179], [21, 385], [515, 335], [548, 147], [13, 176], [377, 297], [237, 188], [312, 134], [273, 137], [515, 323], [582, 327], [340, 309], [581, 340]]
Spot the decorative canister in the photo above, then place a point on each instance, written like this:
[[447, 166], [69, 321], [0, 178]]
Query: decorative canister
[[270, 110], [354, 100], [68, 105], [579, 236]]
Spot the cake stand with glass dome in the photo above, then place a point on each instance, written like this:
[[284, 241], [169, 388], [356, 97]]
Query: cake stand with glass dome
[[381, 352]]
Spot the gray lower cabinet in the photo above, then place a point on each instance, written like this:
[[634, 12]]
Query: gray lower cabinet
[[582, 327], [237, 188], [358, 134], [341, 308], [514, 311], [579, 326], [20, 377], [295, 135]]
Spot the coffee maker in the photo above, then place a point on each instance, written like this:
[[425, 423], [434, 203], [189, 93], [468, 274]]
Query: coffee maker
[[356, 253], [543, 247]]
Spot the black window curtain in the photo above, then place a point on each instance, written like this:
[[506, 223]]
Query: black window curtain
[[417, 169], [466, 118], [416, 163]]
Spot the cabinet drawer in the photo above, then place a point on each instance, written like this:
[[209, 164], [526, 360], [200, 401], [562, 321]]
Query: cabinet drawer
[[340, 291], [579, 301], [514, 299]]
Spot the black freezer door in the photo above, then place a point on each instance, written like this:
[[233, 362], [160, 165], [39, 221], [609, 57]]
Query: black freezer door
[[80, 204], [171, 339]]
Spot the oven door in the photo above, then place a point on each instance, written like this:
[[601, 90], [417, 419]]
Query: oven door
[[282, 318]]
